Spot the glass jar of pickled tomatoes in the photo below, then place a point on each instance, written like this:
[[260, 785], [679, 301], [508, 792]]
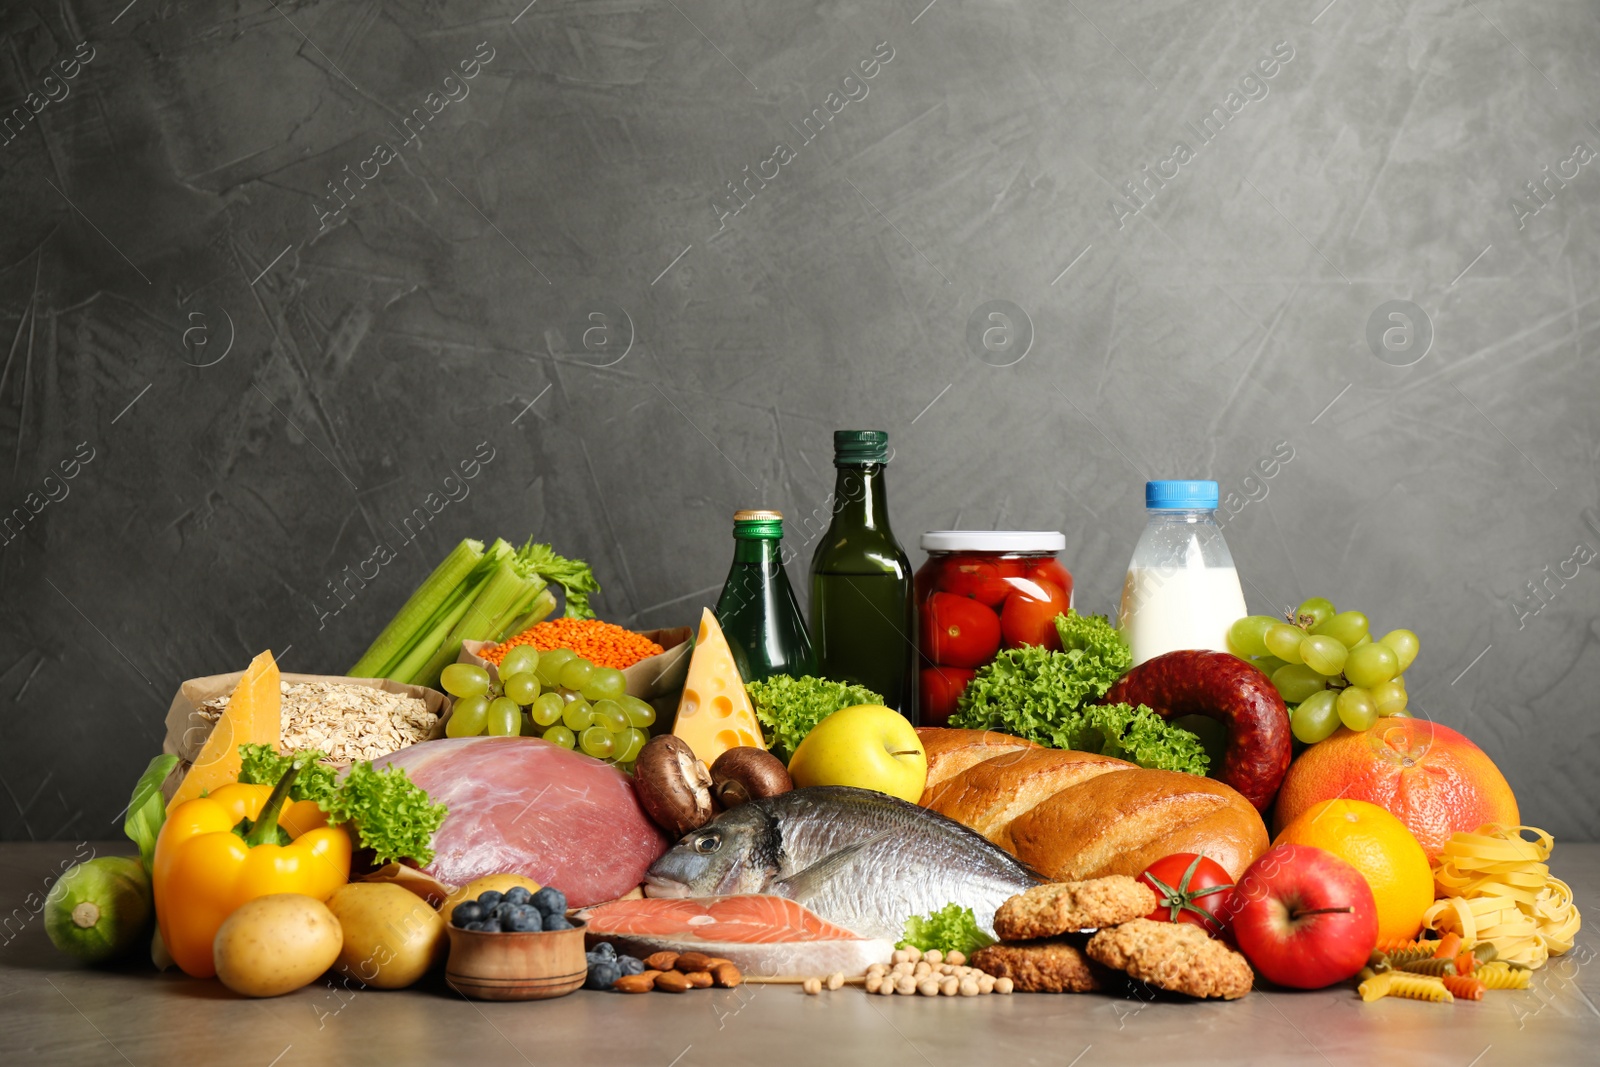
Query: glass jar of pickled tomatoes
[[979, 592]]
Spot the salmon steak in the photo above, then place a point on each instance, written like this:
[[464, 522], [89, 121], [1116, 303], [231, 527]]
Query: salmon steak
[[761, 934]]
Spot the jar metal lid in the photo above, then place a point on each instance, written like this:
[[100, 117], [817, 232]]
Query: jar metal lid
[[994, 541]]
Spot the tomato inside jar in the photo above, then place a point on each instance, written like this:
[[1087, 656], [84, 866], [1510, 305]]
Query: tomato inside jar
[[979, 592]]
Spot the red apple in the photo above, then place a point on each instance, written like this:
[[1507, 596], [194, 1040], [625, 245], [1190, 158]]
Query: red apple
[[1304, 917]]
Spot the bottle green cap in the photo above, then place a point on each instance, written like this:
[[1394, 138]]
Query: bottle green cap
[[860, 446], [758, 525]]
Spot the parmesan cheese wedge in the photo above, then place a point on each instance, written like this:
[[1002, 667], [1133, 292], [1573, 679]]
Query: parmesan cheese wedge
[[253, 716], [714, 713]]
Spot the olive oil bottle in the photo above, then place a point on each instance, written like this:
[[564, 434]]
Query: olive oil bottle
[[863, 624]]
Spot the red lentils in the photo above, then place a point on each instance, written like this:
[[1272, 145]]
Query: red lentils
[[605, 644]]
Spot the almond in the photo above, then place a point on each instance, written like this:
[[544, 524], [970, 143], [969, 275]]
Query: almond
[[661, 961], [692, 961], [636, 983], [673, 982], [699, 979], [726, 975]]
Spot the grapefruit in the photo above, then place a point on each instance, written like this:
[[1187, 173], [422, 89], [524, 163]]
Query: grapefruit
[[1379, 846], [1426, 775]]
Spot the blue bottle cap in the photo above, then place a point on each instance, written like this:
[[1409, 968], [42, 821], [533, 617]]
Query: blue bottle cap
[[1180, 495]]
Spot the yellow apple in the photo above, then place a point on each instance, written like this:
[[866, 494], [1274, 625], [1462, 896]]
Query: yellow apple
[[868, 746]]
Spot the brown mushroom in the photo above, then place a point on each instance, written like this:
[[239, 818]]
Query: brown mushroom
[[673, 787], [742, 774]]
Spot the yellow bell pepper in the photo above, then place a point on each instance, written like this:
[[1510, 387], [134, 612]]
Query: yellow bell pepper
[[223, 850]]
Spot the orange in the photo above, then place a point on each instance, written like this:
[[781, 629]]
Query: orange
[[1426, 775], [1379, 846]]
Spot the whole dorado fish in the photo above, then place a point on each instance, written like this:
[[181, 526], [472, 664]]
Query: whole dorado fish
[[856, 857]]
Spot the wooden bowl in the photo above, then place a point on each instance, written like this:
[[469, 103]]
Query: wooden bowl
[[516, 966]]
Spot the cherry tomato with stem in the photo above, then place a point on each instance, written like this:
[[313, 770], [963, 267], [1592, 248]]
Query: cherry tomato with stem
[[1191, 889]]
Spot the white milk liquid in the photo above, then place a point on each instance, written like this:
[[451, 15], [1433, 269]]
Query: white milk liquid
[[1185, 607]]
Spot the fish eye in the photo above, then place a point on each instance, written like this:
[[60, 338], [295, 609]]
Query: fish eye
[[708, 843]]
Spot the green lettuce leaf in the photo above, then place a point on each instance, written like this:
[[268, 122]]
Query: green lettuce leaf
[[950, 929], [392, 814], [147, 811], [1049, 697], [789, 708]]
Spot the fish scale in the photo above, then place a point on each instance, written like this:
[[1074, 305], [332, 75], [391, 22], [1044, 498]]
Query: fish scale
[[859, 858]]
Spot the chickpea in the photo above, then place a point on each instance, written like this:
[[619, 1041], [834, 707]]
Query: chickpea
[[887, 988], [1003, 986], [835, 980], [906, 985], [986, 984], [933, 955], [928, 987], [923, 970], [812, 986], [877, 969], [969, 987], [901, 955], [950, 986], [956, 958], [874, 983]]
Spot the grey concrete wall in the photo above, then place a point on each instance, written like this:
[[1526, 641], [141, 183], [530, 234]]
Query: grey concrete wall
[[253, 377]]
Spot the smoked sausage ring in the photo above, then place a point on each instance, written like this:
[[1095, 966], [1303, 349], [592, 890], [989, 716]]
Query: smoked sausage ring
[[1225, 688]]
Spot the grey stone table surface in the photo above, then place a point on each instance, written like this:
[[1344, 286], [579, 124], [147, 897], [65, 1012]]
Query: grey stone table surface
[[54, 1011]]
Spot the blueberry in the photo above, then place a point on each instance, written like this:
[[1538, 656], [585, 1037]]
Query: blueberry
[[476, 924], [605, 951], [602, 976], [518, 894], [525, 920], [550, 901], [504, 910], [491, 926], [490, 898], [556, 922], [630, 964], [469, 911]]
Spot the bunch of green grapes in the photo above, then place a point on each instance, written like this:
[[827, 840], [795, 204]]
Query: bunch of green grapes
[[556, 695], [1327, 666]]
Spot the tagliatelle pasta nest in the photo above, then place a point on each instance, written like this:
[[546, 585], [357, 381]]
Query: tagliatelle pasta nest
[[1495, 886]]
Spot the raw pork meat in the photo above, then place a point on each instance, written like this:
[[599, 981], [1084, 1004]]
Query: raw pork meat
[[523, 804], [761, 934]]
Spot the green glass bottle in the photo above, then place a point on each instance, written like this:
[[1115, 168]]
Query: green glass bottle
[[757, 610], [863, 622]]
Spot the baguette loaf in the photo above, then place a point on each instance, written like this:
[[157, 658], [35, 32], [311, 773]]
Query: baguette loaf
[[1078, 815], [952, 751]]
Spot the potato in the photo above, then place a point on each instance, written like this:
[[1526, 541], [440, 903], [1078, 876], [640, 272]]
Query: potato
[[276, 944], [391, 936], [497, 882]]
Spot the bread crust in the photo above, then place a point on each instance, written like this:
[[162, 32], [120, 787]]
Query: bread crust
[[951, 751], [1179, 957], [1061, 907], [1122, 823], [990, 794]]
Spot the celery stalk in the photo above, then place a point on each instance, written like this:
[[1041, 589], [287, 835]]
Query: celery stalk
[[427, 645], [503, 589], [542, 606], [524, 604], [402, 630]]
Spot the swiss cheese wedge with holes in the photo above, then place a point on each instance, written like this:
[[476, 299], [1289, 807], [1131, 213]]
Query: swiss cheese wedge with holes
[[714, 713]]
